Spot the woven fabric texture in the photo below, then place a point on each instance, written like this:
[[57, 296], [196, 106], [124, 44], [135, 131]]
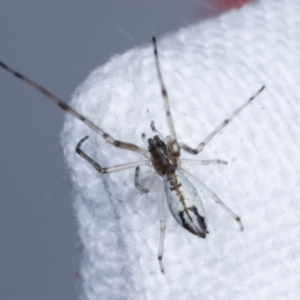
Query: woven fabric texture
[[209, 69]]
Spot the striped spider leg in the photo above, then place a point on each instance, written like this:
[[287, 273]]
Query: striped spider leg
[[164, 156]]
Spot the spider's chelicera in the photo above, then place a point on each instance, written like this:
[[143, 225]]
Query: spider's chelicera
[[164, 156]]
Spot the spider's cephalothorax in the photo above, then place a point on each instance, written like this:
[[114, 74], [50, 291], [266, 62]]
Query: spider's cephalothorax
[[184, 202], [162, 161]]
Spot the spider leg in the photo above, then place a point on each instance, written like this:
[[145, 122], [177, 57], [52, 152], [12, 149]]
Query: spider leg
[[137, 184], [204, 162], [162, 232], [217, 200], [173, 142], [220, 127], [63, 105], [110, 169]]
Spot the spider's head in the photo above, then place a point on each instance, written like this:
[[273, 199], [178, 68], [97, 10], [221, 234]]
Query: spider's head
[[161, 161]]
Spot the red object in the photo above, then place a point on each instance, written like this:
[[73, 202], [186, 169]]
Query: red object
[[210, 8], [228, 4]]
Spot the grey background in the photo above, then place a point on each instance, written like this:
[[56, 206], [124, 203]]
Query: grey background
[[57, 44]]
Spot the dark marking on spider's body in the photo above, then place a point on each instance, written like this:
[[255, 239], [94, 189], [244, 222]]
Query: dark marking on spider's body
[[188, 210], [200, 220], [191, 212], [163, 155]]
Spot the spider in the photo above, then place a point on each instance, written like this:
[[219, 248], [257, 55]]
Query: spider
[[163, 154]]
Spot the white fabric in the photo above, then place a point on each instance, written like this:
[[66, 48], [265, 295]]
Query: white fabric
[[209, 70]]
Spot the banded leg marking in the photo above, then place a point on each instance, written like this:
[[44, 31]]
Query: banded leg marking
[[217, 200], [110, 169], [220, 127], [174, 143], [63, 105]]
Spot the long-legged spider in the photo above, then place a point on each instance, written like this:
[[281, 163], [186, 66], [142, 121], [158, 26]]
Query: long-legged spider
[[164, 156]]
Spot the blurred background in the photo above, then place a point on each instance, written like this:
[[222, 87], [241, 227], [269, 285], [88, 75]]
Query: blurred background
[[57, 44]]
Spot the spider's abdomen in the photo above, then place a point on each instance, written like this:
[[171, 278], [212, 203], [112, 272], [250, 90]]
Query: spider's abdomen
[[185, 203]]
